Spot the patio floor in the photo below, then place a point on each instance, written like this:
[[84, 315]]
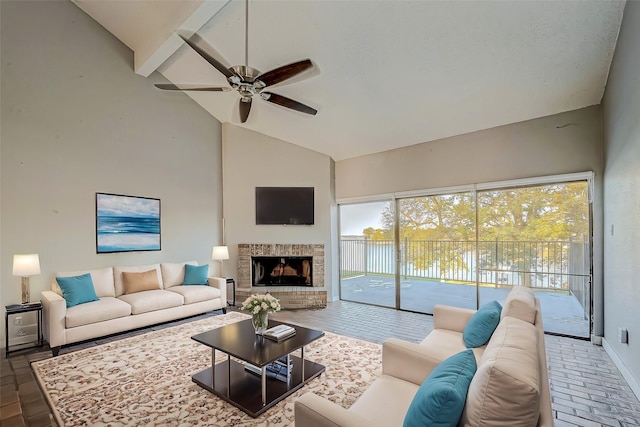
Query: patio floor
[[561, 312]]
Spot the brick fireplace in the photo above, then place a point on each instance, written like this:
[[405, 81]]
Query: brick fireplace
[[290, 293]]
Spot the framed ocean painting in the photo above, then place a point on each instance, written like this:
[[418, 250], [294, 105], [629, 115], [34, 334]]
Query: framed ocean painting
[[127, 223]]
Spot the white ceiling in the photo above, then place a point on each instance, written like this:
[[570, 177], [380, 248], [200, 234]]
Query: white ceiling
[[389, 73]]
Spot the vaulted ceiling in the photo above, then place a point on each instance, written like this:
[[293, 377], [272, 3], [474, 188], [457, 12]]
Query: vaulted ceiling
[[388, 73]]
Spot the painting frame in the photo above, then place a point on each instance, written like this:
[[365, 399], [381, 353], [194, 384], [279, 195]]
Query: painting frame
[[127, 223]]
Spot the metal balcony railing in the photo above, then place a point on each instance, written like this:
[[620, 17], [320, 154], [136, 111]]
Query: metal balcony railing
[[553, 265]]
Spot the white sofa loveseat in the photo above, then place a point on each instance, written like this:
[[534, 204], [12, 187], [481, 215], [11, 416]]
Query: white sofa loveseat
[[119, 311], [509, 388]]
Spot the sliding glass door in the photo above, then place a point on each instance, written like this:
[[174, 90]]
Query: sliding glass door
[[437, 246], [415, 252], [538, 237], [367, 253]]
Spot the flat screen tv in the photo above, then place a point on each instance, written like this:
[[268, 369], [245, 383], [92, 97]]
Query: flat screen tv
[[285, 205]]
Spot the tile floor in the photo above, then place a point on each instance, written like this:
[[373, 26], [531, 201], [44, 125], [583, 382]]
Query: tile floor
[[586, 387]]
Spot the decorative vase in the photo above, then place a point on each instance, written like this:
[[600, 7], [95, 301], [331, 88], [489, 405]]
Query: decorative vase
[[260, 322]]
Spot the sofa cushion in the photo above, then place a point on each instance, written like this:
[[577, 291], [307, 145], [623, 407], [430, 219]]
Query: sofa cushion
[[505, 389], [195, 275], [145, 301], [443, 343], [106, 308], [385, 401], [117, 275], [482, 324], [102, 281], [440, 399], [138, 282], [173, 273], [520, 303], [193, 293], [77, 289]]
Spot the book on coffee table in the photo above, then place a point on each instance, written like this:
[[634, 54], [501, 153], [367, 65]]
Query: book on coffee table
[[279, 332], [280, 369]]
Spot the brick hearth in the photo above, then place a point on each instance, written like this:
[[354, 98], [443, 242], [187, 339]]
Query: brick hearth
[[314, 296]]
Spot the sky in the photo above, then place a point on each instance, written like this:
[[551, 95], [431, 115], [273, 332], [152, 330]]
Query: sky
[[355, 218], [113, 205]]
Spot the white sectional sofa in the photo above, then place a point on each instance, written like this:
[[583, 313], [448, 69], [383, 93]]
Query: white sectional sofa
[[120, 307], [509, 388]]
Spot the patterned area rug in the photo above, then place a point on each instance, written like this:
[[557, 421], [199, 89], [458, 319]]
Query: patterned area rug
[[146, 380]]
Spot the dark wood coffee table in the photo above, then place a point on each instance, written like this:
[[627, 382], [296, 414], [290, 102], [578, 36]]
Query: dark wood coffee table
[[252, 393]]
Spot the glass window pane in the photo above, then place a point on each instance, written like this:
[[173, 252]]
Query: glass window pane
[[437, 246], [367, 254], [538, 237]]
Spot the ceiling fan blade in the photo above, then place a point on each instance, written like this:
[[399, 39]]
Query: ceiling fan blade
[[245, 108], [198, 44], [285, 72], [288, 102], [168, 86]]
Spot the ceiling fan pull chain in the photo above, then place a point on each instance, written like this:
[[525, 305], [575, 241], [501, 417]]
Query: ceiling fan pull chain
[[246, 34]]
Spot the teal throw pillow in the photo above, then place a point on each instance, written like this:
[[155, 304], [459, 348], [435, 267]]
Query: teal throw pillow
[[195, 275], [440, 399], [482, 324], [77, 289]]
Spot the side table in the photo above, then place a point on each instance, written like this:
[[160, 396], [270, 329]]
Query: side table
[[231, 302], [14, 309]]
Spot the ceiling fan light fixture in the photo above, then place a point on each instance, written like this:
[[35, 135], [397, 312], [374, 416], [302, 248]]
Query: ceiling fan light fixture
[[247, 74]]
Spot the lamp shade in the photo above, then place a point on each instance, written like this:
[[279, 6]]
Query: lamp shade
[[26, 265], [220, 253]]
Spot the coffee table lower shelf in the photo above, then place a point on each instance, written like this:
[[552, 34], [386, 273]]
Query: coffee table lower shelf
[[244, 390]]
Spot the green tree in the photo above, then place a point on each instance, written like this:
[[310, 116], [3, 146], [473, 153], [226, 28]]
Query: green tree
[[448, 217], [522, 222], [509, 220], [541, 213], [440, 220], [377, 234]]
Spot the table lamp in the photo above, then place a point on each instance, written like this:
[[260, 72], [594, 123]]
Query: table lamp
[[26, 265], [220, 253]]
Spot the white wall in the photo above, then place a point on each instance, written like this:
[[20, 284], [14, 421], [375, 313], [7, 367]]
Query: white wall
[[253, 160], [76, 120], [559, 144], [622, 198]]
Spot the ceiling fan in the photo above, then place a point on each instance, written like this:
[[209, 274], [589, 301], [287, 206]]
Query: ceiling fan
[[246, 80]]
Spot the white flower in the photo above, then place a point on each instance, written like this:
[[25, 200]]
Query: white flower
[[261, 303]]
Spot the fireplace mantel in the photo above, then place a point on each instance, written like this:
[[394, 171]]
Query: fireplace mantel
[[289, 296]]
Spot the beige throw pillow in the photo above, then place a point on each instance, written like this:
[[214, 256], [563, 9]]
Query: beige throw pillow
[[137, 282], [520, 303]]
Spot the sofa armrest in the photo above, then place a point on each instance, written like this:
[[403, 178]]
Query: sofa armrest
[[407, 361], [451, 318], [54, 312], [311, 410], [221, 284]]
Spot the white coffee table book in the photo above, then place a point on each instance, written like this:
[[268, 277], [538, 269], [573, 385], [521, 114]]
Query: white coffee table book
[[279, 332]]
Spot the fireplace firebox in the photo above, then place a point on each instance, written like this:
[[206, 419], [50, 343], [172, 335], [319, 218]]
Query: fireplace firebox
[[282, 270]]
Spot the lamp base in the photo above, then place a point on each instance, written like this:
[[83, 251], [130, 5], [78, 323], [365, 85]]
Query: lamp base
[[25, 290], [221, 271]]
